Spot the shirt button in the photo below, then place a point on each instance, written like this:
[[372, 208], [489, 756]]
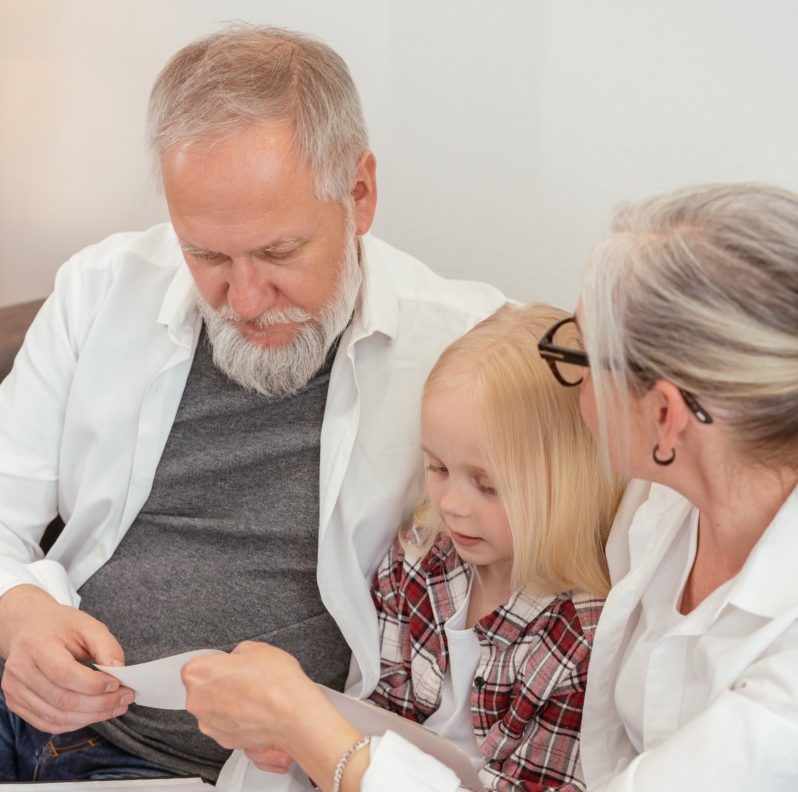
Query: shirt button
[[479, 682]]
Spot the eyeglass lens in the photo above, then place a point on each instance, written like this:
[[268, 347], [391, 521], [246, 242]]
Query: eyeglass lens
[[567, 336]]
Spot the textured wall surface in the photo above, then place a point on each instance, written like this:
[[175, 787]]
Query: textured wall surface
[[505, 130]]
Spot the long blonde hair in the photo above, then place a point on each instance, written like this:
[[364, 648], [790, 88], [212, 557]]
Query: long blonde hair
[[543, 461]]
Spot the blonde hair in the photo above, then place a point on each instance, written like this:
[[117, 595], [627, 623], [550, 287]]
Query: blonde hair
[[246, 74], [700, 287], [542, 459]]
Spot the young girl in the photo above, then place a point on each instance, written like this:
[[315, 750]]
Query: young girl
[[489, 598], [487, 602]]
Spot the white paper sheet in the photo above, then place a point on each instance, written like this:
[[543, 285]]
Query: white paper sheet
[[371, 719], [157, 683]]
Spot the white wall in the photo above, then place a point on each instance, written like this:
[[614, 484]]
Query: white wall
[[505, 130]]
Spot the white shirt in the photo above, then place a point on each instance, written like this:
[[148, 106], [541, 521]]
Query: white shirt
[[89, 404], [720, 708], [453, 719]]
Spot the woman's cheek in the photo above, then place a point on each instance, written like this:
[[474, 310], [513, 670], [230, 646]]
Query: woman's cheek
[[587, 404]]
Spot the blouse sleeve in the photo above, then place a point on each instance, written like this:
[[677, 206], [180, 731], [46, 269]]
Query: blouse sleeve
[[397, 765]]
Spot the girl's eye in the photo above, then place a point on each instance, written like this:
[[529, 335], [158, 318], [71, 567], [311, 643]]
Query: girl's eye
[[486, 489], [436, 468]]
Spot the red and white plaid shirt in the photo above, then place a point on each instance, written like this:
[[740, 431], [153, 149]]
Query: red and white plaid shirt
[[528, 691]]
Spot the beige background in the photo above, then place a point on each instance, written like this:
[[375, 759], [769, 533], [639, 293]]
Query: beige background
[[505, 130]]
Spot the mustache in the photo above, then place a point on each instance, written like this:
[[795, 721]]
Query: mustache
[[272, 316]]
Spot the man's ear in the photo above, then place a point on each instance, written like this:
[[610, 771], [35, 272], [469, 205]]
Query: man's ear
[[364, 192], [670, 413]]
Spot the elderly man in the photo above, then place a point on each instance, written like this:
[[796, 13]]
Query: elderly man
[[222, 409]]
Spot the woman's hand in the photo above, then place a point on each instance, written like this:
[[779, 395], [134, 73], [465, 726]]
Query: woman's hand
[[258, 698], [272, 760], [249, 699]]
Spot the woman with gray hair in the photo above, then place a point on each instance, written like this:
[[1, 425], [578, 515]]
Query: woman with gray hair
[[689, 375]]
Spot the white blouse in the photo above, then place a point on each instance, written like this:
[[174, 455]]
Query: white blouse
[[706, 701], [659, 622]]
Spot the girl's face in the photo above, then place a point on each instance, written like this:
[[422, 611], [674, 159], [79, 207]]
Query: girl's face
[[461, 488]]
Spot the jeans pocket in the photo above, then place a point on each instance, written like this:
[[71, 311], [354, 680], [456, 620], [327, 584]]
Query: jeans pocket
[[69, 751]]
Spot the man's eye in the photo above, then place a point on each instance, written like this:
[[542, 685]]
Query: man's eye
[[275, 255], [207, 256]]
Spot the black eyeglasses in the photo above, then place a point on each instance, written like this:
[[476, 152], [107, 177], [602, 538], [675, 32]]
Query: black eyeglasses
[[562, 348]]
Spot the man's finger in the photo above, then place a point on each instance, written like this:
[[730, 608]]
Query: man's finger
[[71, 701], [47, 718], [61, 669], [100, 645]]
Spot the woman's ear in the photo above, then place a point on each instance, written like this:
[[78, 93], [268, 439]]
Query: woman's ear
[[669, 413], [364, 192]]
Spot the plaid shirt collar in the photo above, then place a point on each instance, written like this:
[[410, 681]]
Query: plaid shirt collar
[[503, 627]]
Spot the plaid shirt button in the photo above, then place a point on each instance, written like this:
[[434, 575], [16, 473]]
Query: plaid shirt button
[[479, 682]]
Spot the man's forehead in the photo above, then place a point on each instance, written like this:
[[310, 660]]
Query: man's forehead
[[246, 141]]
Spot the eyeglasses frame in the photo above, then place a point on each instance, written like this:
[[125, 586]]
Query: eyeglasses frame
[[553, 354]]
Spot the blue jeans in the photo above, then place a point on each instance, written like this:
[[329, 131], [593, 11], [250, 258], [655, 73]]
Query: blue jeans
[[26, 754]]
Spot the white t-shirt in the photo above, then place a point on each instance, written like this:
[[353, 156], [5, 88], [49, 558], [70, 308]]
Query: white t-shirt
[[452, 719]]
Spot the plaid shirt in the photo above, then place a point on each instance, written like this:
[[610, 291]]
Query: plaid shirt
[[526, 701]]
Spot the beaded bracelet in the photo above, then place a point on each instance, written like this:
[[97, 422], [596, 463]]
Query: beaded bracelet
[[345, 757]]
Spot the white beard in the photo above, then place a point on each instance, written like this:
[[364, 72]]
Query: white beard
[[283, 370]]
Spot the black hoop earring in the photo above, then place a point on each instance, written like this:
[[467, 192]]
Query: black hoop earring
[[663, 462]]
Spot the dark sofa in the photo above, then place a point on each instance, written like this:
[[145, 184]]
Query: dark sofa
[[14, 321]]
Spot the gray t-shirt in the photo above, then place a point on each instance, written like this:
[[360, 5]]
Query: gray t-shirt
[[224, 550]]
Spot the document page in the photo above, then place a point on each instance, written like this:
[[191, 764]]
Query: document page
[[157, 683], [371, 719]]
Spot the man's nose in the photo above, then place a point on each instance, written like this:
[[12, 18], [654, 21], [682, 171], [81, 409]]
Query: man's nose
[[250, 290]]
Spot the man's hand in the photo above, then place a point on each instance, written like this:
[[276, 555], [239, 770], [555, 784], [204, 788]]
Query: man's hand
[[45, 644]]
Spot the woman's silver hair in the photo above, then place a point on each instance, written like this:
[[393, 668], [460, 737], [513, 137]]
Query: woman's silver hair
[[246, 74], [700, 287]]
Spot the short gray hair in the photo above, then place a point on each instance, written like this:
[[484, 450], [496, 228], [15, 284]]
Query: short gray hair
[[700, 287], [246, 74]]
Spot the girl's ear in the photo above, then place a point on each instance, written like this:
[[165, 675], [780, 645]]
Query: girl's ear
[[669, 413]]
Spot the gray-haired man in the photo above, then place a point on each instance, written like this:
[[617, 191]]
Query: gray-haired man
[[222, 409]]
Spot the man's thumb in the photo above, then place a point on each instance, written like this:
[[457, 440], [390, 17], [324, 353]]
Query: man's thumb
[[102, 647]]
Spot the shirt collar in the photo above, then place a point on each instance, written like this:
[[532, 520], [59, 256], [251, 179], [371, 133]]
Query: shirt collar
[[377, 308], [508, 622], [178, 310], [767, 584], [504, 626]]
